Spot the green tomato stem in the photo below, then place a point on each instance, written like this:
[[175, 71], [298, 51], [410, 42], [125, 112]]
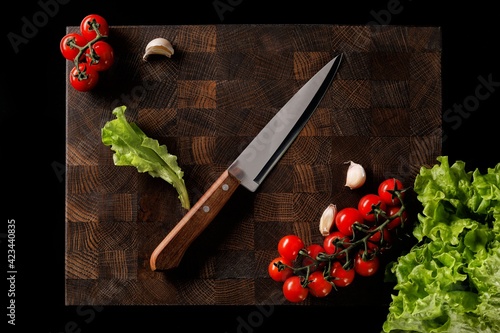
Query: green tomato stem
[[360, 230], [82, 49]]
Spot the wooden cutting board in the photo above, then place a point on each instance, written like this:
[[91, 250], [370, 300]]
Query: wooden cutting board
[[206, 103]]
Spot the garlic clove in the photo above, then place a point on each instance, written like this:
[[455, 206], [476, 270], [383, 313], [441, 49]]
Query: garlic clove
[[356, 175], [326, 220], [159, 46]]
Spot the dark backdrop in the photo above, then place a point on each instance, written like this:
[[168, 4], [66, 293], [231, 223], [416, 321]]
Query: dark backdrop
[[33, 142]]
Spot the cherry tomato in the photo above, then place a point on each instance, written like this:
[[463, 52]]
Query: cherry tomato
[[83, 78], [386, 191], [375, 241], [367, 204], [329, 243], [67, 45], [318, 285], [366, 267], [279, 275], [396, 221], [345, 218], [313, 250], [90, 22], [377, 236], [341, 277], [100, 56], [293, 290], [289, 246]]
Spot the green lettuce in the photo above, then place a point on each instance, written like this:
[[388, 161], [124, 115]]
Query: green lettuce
[[133, 147], [450, 280]]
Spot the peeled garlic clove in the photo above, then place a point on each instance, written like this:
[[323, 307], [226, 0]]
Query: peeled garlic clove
[[159, 46], [327, 218], [356, 175]]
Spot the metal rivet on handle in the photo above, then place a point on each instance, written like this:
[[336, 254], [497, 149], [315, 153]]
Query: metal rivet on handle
[[206, 209], [225, 187]]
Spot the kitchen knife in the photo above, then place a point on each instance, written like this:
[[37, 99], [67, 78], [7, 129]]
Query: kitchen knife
[[249, 169]]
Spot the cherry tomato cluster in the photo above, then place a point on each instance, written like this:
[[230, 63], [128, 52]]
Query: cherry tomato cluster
[[89, 52], [357, 238]]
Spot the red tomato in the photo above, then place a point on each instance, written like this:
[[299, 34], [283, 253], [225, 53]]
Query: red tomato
[[395, 221], [274, 269], [386, 191], [318, 285], [341, 277], [69, 46], [289, 246], [345, 218], [329, 243], [366, 267], [100, 56], [83, 78], [92, 22], [377, 236], [375, 241], [367, 204], [313, 250], [293, 290]]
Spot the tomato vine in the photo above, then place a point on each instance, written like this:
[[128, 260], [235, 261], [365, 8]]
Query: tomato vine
[[88, 51], [358, 237]]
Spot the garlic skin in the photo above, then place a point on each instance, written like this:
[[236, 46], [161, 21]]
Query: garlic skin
[[159, 46], [327, 218], [356, 175]]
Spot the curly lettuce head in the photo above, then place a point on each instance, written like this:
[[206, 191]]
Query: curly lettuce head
[[450, 281]]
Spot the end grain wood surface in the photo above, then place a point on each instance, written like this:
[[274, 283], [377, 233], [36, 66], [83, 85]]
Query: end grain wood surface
[[206, 103]]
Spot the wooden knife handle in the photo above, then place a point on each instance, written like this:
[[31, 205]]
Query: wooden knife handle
[[169, 252]]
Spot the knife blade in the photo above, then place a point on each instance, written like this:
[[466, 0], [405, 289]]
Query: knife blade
[[249, 169]]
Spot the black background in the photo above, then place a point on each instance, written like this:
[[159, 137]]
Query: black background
[[33, 144]]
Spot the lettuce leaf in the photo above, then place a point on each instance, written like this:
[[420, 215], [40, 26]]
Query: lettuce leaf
[[133, 147], [450, 280]]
